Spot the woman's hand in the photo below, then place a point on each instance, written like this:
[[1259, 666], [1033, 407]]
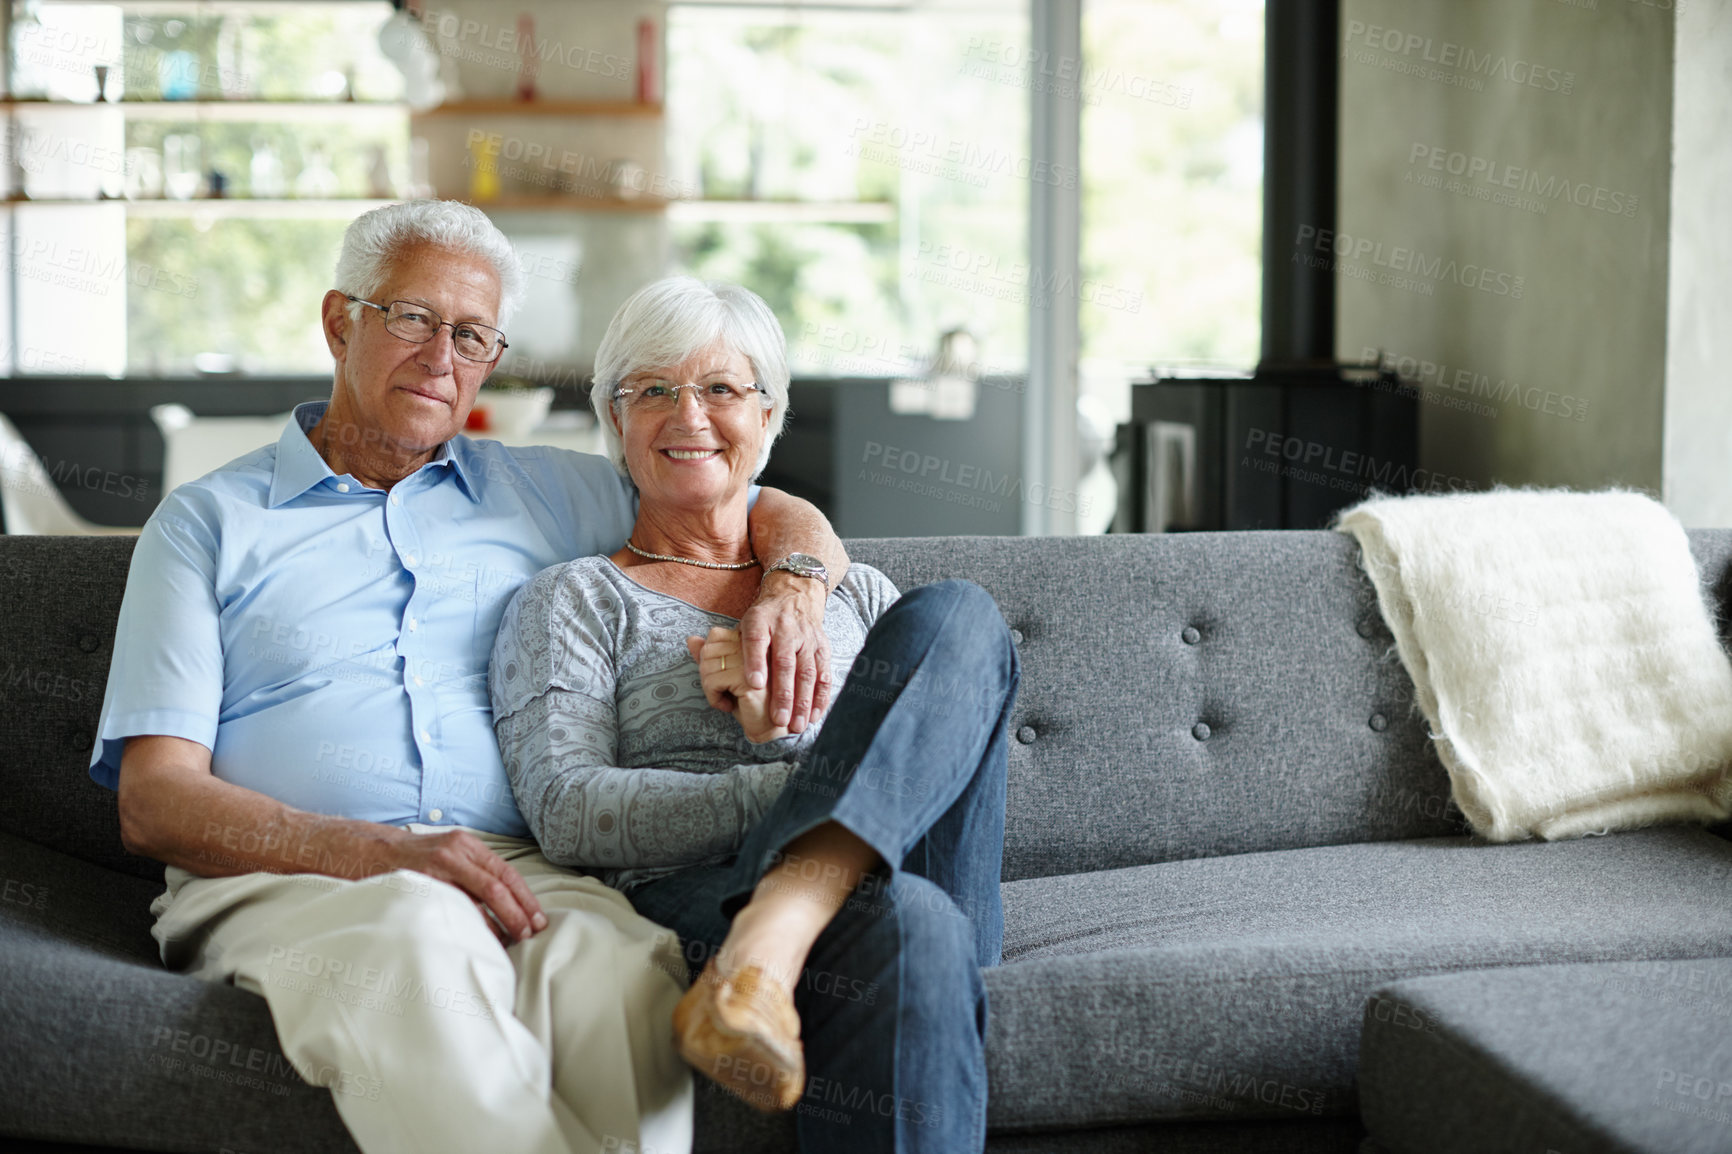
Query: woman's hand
[[722, 669]]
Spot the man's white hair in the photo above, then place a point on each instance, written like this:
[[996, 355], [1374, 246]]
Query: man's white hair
[[375, 239], [665, 322]]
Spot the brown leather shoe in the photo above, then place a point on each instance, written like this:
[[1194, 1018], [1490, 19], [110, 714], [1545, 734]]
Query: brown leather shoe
[[742, 1031]]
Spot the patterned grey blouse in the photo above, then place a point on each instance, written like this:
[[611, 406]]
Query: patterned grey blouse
[[619, 764]]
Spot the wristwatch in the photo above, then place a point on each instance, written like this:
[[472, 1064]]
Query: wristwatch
[[802, 565]]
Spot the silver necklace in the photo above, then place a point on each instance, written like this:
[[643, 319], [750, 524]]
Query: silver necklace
[[688, 560]]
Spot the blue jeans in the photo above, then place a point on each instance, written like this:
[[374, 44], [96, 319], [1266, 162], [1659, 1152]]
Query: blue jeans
[[911, 759]]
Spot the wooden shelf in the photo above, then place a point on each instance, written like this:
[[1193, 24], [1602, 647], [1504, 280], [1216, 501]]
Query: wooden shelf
[[243, 206], [554, 202], [221, 109], [783, 211], [544, 108], [687, 211], [212, 6], [224, 206]]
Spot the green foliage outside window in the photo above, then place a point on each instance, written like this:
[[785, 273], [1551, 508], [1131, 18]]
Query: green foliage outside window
[[858, 109], [260, 283]]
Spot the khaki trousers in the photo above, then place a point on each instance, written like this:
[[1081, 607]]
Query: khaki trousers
[[433, 1037]]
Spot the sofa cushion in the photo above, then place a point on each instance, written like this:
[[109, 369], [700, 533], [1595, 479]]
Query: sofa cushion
[[1313, 1136], [82, 904], [103, 1046], [1627, 1056], [100, 1050], [1193, 695], [1233, 987], [725, 1125], [59, 598]]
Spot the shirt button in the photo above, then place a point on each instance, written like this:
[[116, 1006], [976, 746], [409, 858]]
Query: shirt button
[[426, 737], [1379, 722], [435, 814], [1201, 731], [408, 558], [419, 682], [413, 624], [1366, 628], [1016, 637], [1026, 735], [1190, 635], [342, 486], [395, 499]]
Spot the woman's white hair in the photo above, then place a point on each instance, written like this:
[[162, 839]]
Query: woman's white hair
[[665, 322], [375, 239]]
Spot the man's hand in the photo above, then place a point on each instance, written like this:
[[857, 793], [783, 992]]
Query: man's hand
[[173, 809], [784, 631], [459, 857], [722, 669], [783, 634]]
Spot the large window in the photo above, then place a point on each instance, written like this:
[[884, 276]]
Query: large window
[[187, 220], [1172, 162], [866, 169], [866, 172], [866, 165]]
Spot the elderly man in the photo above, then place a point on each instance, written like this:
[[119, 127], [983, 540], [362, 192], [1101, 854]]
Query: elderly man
[[298, 724]]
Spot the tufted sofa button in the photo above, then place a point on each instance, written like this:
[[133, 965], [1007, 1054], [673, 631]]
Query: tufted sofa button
[[1016, 637], [1201, 731], [1026, 735], [89, 643], [1366, 628], [1190, 635], [1379, 722]]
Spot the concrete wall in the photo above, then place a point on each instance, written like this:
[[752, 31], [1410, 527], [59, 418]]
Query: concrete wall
[[1504, 226], [1698, 422]]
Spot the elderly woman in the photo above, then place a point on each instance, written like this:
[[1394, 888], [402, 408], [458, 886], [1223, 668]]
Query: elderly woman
[[839, 888]]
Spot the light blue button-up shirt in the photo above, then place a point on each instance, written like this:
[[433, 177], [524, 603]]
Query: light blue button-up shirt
[[329, 642]]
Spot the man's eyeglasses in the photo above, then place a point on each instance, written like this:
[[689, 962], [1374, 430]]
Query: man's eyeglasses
[[419, 324], [657, 396]]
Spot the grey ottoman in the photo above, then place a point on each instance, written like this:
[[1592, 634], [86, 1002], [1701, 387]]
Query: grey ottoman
[[1577, 1059]]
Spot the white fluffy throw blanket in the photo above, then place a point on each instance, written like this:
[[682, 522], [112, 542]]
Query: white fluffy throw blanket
[[1563, 653]]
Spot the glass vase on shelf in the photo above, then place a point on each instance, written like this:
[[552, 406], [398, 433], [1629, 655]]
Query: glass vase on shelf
[[178, 74], [182, 172], [26, 25], [528, 65], [420, 169], [143, 173], [111, 183], [483, 173], [266, 172], [316, 180], [380, 185], [235, 64]]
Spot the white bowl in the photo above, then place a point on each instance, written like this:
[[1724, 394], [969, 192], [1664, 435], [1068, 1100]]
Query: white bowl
[[513, 413]]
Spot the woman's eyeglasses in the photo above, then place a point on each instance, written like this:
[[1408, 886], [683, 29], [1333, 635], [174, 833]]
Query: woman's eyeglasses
[[658, 396]]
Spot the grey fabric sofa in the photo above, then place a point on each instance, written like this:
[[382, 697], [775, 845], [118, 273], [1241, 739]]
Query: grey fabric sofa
[[1619, 1057], [1226, 828]]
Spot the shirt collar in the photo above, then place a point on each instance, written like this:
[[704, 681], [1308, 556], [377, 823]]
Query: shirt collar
[[299, 466]]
